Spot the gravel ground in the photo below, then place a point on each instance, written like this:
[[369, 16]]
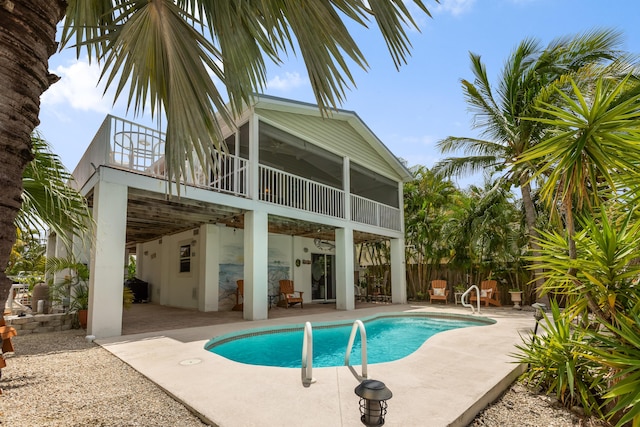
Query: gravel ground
[[58, 379]]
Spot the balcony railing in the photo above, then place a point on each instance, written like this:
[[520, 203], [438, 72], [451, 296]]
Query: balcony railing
[[127, 145], [369, 212], [289, 190]]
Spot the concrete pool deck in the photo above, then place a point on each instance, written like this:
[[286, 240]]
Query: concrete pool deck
[[446, 382]]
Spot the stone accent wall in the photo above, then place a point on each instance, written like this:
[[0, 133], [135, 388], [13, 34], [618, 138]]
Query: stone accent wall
[[41, 323]]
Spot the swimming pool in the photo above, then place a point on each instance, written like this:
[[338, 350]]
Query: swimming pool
[[389, 337]]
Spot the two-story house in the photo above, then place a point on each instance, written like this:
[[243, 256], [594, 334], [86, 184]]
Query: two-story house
[[291, 199]]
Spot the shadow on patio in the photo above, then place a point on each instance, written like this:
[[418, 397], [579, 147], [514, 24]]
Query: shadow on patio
[[142, 318]]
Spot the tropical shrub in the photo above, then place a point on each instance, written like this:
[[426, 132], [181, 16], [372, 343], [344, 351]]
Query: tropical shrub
[[558, 364], [618, 349], [590, 352]]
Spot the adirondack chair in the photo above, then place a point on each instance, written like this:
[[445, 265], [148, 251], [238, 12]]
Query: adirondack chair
[[439, 291], [288, 295], [239, 296], [489, 293]]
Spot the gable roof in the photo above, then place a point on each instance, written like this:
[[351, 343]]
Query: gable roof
[[341, 132]]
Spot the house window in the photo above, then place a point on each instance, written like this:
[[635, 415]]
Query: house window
[[185, 258]]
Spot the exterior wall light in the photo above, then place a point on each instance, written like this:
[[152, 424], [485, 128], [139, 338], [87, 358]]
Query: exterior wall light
[[373, 402]]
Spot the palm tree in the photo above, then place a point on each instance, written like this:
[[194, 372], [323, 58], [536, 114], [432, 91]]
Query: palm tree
[[525, 80], [47, 198], [484, 231], [169, 51], [592, 153], [48, 201], [428, 201]]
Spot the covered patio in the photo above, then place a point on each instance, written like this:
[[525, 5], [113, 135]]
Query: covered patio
[[146, 318]]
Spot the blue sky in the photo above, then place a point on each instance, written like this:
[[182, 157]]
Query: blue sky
[[409, 110]]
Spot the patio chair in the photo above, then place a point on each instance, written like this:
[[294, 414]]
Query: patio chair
[[439, 291], [489, 293], [239, 296], [288, 294]]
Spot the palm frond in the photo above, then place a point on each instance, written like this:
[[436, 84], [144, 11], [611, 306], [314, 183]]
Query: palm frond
[[168, 51], [48, 200]]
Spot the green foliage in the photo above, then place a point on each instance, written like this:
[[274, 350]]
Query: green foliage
[[131, 268], [73, 287], [618, 348], [594, 147], [171, 53], [127, 297], [506, 113], [605, 266], [27, 260], [558, 365], [595, 342], [428, 202], [47, 198], [79, 297]]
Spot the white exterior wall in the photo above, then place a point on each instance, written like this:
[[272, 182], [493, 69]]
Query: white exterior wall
[[222, 248], [148, 267], [161, 269]]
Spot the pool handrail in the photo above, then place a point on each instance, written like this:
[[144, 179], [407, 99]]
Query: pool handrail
[[358, 325], [464, 295], [307, 356]]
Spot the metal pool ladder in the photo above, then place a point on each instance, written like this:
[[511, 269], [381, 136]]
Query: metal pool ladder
[[307, 356], [363, 338], [307, 352], [464, 296]]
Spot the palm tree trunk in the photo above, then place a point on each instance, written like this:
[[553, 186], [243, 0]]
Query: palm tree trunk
[[27, 40], [530, 218]]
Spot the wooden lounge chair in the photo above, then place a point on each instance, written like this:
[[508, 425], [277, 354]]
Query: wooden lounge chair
[[489, 293], [439, 291], [288, 294], [239, 296]]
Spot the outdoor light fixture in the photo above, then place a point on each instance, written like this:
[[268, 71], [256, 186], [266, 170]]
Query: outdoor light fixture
[[373, 402], [539, 313]]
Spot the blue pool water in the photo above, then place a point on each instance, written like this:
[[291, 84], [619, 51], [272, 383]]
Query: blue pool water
[[388, 338]]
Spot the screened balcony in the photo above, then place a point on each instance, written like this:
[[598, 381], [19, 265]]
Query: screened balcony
[[129, 146]]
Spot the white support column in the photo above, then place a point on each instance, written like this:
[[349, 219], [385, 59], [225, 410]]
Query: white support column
[[401, 204], [256, 267], [209, 268], [254, 158], [107, 255], [398, 272], [52, 242], [344, 269], [346, 178]]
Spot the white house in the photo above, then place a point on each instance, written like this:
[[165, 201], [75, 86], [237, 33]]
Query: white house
[[291, 199]]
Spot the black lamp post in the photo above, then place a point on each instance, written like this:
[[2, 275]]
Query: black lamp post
[[538, 315], [373, 402]]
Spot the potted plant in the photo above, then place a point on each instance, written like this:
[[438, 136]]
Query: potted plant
[[458, 290], [516, 297], [74, 289], [80, 302]]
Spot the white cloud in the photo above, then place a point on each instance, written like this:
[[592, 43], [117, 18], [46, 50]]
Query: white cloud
[[78, 88], [288, 82], [454, 7]]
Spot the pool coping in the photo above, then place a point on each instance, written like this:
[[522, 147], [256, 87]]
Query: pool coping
[[319, 326], [446, 382]]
